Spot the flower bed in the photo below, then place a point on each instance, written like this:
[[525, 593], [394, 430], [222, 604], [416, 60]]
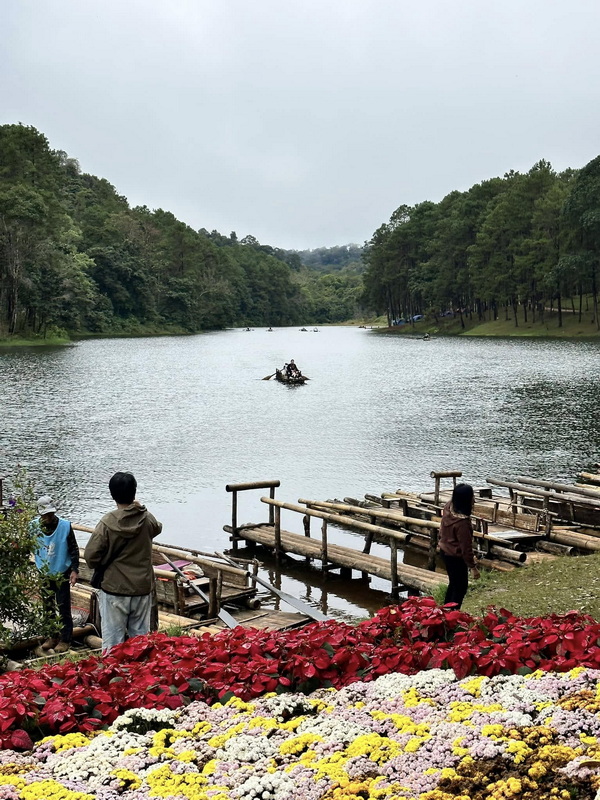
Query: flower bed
[[427, 736], [162, 672]]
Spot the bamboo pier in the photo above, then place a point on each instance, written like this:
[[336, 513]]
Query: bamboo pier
[[538, 520]]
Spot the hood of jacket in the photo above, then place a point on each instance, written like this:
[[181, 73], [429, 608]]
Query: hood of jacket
[[451, 515], [126, 522]]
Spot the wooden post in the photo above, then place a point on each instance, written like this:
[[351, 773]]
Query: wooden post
[[277, 534], [271, 508], [180, 598], [306, 524], [213, 601], [547, 518], [437, 476], [234, 533], [433, 542], [394, 566], [324, 545]]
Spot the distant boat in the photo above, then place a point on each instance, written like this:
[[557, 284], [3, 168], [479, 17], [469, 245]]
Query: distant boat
[[269, 330], [315, 330], [303, 329]]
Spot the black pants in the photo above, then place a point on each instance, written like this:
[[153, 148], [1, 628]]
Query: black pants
[[57, 594], [458, 579]]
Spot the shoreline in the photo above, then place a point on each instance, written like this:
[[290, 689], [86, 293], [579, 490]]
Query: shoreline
[[571, 330]]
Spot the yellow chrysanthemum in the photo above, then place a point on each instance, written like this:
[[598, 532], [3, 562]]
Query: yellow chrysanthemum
[[473, 685], [51, 790], [67, 741], [378, 748], [167, 736], [299, 744], [412, 698], [267, 723], [201, 728], [520, 750], [241, 705], [129, 780]]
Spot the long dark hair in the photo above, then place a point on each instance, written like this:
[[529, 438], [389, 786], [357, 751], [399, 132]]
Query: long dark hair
[[462, 499]]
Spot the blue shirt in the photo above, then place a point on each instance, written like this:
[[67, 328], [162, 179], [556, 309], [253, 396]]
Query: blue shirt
[[52, 554]]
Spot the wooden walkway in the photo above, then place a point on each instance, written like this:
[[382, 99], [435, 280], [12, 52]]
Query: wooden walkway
[[338, 556]]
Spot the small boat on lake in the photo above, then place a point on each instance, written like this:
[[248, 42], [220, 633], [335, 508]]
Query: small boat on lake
[[282, 377]]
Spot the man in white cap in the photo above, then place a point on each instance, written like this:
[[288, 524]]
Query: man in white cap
[[57, 558]]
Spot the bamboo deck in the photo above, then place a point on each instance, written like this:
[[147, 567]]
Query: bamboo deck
[[342, 557]]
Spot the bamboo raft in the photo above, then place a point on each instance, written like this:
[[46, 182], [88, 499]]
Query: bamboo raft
[[178, 605]]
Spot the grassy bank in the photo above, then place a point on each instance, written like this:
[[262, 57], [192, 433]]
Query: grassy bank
[[552, 586], [65, 339], [37, 341], [451, 326]]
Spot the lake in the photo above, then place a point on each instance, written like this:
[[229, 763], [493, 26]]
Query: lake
[[189, 414]]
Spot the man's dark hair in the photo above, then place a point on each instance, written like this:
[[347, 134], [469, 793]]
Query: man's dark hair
[[462, 499], [122, 487]]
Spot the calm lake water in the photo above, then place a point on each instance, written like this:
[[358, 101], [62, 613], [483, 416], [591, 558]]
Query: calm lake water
[[190, 414]]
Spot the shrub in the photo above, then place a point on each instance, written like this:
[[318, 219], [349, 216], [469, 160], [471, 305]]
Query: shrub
[[21, 612]]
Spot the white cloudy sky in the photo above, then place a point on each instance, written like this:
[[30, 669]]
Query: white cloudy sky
[[303, 122]]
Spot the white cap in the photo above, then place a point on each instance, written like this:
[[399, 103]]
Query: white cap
[[45, 505]]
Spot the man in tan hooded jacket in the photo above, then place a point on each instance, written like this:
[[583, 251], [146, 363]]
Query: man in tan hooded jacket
[[121, 546]]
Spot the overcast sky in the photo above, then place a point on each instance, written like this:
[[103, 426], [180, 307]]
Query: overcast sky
[[305, 123]]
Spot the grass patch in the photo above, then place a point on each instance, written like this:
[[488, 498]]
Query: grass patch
[[450, 326], [35, 341], [553, 586]]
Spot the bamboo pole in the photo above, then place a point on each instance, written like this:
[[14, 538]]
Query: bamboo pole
[[555, 548], [339, 519], [371, 512], [235, 538], [243, 487], [277, 525], [521, 488], [595, 489], [202, 562], [579, 540], [591, 477], [559, 487], [324, 558], [394, 567]]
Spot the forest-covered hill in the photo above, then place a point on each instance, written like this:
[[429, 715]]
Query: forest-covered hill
[[75, 257], [509, 247]]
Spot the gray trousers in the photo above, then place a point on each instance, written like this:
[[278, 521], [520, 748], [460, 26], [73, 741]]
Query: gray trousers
[[123, 615]]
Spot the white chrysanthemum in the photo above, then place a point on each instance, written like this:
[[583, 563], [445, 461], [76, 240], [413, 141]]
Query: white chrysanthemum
[[266, 787], [163, 716], [333, 729], [246, 749]]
